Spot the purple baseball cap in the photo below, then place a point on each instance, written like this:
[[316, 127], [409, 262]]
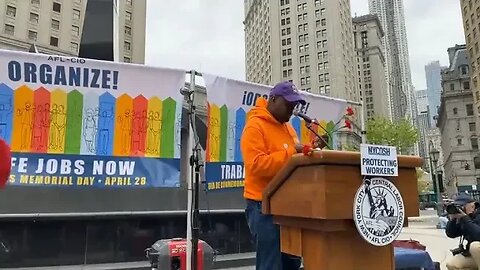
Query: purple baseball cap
[[288, 91]]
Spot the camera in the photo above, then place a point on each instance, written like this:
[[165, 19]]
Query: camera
[[454, 209], [459, 250]]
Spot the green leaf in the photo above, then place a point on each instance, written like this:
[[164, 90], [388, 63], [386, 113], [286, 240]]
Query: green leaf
[[330, 126], [401, 134]]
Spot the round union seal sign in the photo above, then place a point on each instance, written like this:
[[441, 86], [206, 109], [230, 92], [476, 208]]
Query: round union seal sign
[[378, 211]]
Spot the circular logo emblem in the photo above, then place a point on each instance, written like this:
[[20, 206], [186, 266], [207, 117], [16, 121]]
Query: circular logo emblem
[[378, 211]]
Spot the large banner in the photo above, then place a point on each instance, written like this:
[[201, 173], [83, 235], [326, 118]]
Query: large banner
[[75, 122], [228, 104]]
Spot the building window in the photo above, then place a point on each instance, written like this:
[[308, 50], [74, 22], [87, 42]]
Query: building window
[[76, 14], [469, 108], [54, 41], [128, 15], [55, 24], [128, 30], [287, 73], [11, 11], [321, 78], [284, 2], [74, 46], [327, 89], [466, 85], [285, 63], [127, 46], [9, 29], [455, 111], [75, 31], [285, 11], [57, 7], [32, 35], [33, 17], [474, 142], [472, 127]]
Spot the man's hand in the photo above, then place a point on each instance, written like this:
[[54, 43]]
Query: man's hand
[[319, 143], [299, 147], [457, 216]]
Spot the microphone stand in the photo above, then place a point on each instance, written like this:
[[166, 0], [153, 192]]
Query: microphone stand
[[196, 165], [309, 126]]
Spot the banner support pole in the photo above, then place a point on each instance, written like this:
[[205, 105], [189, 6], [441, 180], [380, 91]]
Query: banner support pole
[[194, 178], [188, 93]]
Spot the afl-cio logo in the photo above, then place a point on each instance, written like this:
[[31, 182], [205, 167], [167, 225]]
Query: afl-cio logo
[[378, 211]]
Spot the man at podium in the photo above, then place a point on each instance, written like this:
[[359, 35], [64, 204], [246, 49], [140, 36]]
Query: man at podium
[[267, 143]]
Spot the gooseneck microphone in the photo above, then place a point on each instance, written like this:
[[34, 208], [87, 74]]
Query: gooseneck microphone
[[308, 122], [305, 117]]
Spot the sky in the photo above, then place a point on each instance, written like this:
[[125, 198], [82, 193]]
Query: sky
[[208, 35]]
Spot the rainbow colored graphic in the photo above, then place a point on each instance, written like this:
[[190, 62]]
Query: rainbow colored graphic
[[58, 122], [225, 127]]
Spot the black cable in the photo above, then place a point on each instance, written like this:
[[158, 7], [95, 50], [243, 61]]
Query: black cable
[[309, 126]]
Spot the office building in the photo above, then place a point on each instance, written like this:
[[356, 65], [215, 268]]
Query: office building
[[471, 26], [368, 35], [308, 42], [55, 26], [423, 123], [434, 88], [422, 128], [422, 100], [457, 123], [395, 47]]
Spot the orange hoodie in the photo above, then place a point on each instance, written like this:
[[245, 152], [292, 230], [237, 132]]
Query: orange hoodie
[[266, 146]]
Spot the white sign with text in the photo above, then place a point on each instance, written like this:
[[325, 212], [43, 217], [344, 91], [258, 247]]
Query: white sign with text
[[379, 160]]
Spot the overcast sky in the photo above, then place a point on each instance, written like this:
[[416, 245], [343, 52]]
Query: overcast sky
[[208, 36]]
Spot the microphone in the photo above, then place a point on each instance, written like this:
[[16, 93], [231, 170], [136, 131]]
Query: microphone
[[305, 117]]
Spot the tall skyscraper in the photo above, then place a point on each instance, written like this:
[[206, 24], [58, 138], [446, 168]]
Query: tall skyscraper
[[368, 32], [471, 20], [422, 100], [423, 122], [308, 42], [55, 26], [395, 46], [434, 88]]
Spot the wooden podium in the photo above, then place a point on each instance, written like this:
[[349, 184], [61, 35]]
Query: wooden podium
[[311, 199]]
